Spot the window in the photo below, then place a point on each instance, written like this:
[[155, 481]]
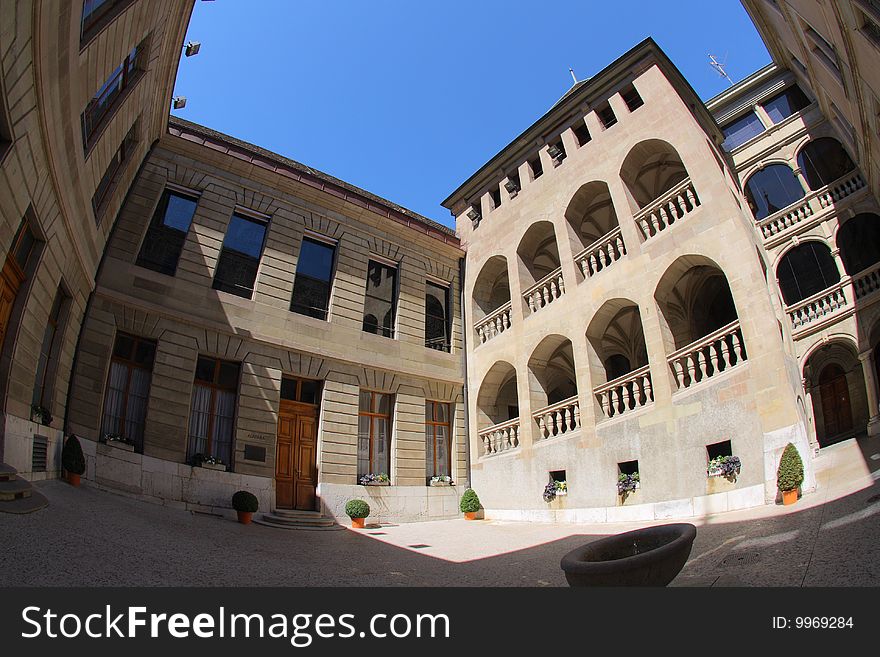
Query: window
[[581, 133], [632, 98], [97, 14], [806, 270], [108, 97], [438, 439], [111, 177], [240, 256], [823, 161], [738, 132], [305, 391], [437, 315], [374, 433], [15, 271], [716, 450], [772, 188], [871, 23], [167, 232], [536, 167], [128, 388], [783, 105], [47, 363], [314, 278], [380, 304], [211, 420], [798, 65], [823, 50], [606, 116]]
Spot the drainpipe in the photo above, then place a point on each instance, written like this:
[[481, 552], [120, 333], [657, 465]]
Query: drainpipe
[[463, 306]]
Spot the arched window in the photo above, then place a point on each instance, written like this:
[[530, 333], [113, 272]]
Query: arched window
[[772, 188], [823, 161], [806, 270], [859, 242]]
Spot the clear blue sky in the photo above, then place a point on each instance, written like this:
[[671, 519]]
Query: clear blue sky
[[407, 99]]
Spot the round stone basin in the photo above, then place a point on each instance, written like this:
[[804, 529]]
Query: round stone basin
[[652, 556]]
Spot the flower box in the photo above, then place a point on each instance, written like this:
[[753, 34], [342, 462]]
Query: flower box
[[377, 483], [118, 444], [560, 493], [213, 466], [441, 483]]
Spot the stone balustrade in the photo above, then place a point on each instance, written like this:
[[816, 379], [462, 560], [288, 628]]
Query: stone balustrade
[[658, 215], [545, 291], [559, 418], [867, 282], [840, 189], [605, 251], [821, 305], [708, 356], [495, 323], [786, 218], [629, 392], [500, 438]]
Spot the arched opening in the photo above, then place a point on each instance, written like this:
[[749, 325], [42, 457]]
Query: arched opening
[[771, 189], [593, 228], [553, 387], [836, 384], [805, 270], [699, 320], [619, 358], [859, 242], [539, 265], [823, 161], [652, 168], [491, 299], [498, 409]]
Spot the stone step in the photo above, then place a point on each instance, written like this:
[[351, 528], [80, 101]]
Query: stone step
[[308, 524], [7, 472], [296, 513], [14, 489], [35, 502]]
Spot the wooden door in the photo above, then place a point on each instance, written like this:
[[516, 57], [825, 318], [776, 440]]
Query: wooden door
[[10, 280], [836, 409], [296, 469]]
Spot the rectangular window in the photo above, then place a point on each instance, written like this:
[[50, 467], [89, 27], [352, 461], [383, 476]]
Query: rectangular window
[[824, 51], [536, 167], [314, 278], [871, 29], [632, 98], [738, 132], [212, 418], [374, 433], [47, 363], [581, 134], [437, 316], [128, 388], [783, 105], [380, 304], [111, 175], [239, 259], [108, 97], [15, 270], [97, 14], [606, 116], [167, 232], [438, 439], [306, 391]]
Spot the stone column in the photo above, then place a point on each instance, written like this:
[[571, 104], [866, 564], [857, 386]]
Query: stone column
[[871, 392], [810, 417], [802, 179]]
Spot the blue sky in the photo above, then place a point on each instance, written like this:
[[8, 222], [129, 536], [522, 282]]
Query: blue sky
[[407, 99]]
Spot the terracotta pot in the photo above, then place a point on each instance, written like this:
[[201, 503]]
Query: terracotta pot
[[245, 517], [357, 523], [73, 478], [470, 515], [789, 496]]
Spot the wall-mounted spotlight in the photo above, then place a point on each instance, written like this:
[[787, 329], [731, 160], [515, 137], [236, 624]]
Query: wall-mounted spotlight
[[554, 151], [192, 48], [178, 102], [511, 187], [474, 215]]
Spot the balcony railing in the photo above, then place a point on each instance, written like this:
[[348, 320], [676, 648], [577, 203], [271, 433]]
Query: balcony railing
[[500, 438], [545, 291], [814, 203], [495, 323], [708, 356], [813, 309], [665, 211], [556, 419], [625, 393], [867, 281], [600, 254]]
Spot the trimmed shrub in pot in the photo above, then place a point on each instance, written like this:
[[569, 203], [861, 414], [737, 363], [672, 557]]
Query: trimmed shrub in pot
[[790, 474], [469, 504], [72, 460], [357, 510], [246, 504]]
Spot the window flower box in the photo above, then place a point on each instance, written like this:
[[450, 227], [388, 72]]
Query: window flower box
[[375, 480], [627, 483], [209, 462], [118, 441], [555, 489], [41, 415], [221, 467], [724, 466], [442, 480]]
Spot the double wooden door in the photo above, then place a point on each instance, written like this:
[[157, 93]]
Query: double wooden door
[[836, 408], [296, 469], [11, 278]]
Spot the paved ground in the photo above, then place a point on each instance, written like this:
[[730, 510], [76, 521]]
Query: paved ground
[[90, 537]]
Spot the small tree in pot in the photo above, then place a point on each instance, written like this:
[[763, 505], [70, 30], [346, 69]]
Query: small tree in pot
[[72, 460], [357, 510], [790, 474], [246, 504], [469, 504]]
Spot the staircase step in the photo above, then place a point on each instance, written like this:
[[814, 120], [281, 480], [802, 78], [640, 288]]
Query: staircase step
[[308, 524], [296, 513], [35, 502], [7, 472], [14, 489]]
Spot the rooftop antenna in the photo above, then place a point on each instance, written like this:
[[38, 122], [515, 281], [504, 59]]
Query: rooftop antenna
[[573, 77], [719, 67]]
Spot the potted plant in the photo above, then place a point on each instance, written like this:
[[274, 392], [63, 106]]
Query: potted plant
[[357, 510], [555, 489], [72, 460], [627, 483], [724, 466], [381, 479], [41, 414], [441, 480], [119, 441], [790, 474], [469, 504], [210, 462], [246, 503]]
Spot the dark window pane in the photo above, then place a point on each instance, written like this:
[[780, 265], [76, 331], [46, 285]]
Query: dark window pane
[[771, 189], [436, 317], [380, 300], [228, 377], [740, 131], [167, 233], [179, 211], [24, 245], [144, 353], [245, 236], [123, 346], [823, 161], [240, 256], [311, 288], [205, 369], [288, 389], [806, 270], [308, 391], [859, 242], [782, 106]]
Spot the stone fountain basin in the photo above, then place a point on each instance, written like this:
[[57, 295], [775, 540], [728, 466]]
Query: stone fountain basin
[[651, 556]]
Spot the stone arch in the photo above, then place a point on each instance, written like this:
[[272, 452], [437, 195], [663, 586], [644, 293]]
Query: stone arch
[[804, 270], [590, 214], [537, 253], [859, 242], [492, 287], [823, 161], [772, 188], [650, 169], [498, 396]]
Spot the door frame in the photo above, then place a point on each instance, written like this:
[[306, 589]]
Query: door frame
[[295, 408]]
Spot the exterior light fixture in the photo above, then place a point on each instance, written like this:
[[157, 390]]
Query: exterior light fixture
[[178, 102], [474, 216], [192, 48], [511, 187], [554, 152]]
